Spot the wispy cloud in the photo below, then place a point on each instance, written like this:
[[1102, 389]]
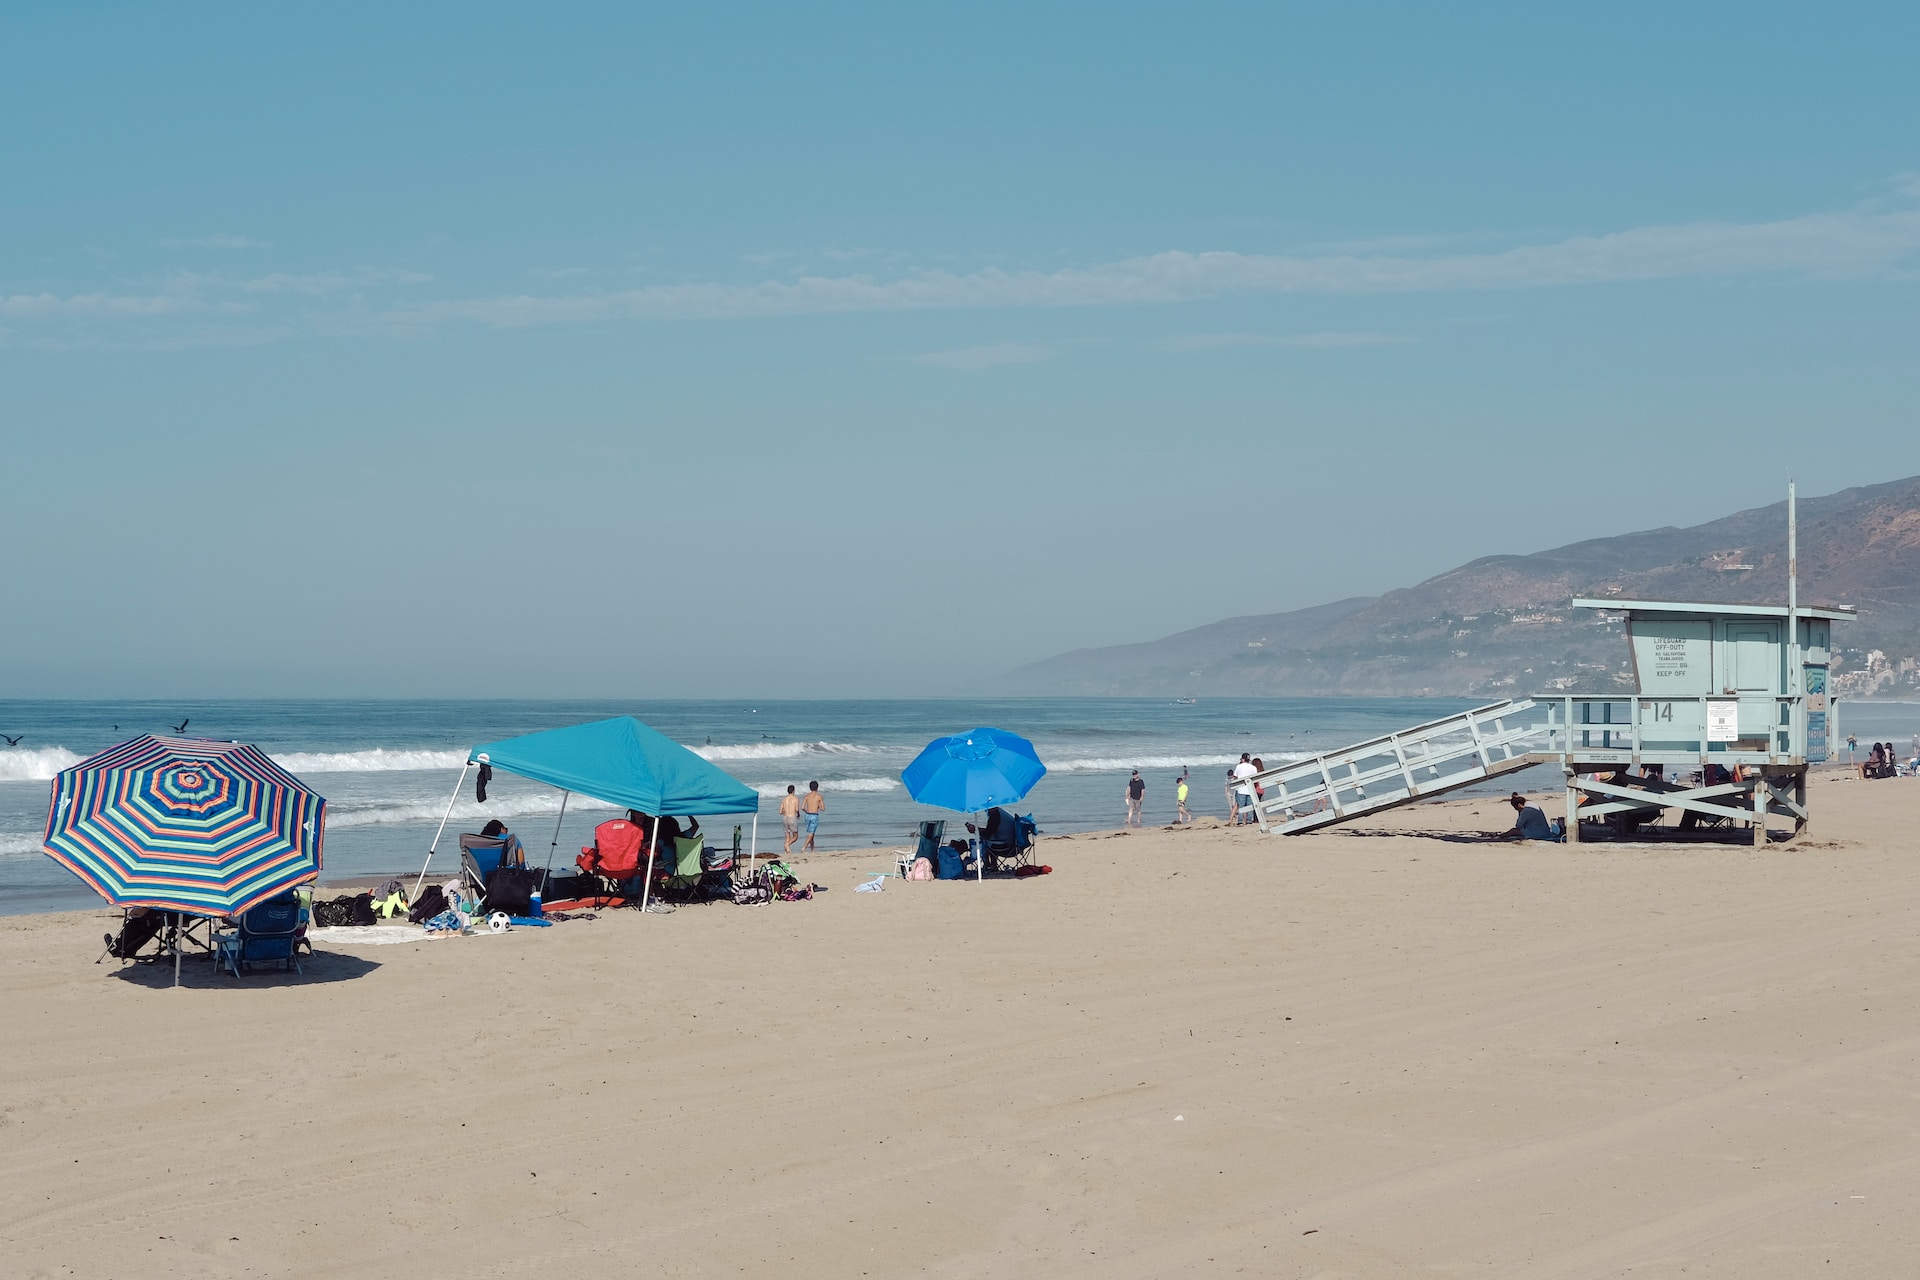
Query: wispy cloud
[[1879, 239], [986, 357], [325, 282], [1207, 341], [219, 240], [1822, 245]]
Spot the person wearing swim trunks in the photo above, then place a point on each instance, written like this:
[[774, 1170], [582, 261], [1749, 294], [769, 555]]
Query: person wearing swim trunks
[[810, 808], [790, 818]]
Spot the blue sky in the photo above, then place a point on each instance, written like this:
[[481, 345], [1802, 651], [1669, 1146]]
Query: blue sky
[[760, 350]]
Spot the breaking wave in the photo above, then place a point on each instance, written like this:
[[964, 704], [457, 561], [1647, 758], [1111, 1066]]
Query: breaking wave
[[16, 844], [778, 750], [465, 812], [838, 784], [376, 760], [1112, 764], [34, 764]]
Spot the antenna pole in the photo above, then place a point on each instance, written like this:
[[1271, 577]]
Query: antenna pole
[[1795, 678]]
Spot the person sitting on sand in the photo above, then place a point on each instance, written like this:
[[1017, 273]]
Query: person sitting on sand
[[1528, 822]]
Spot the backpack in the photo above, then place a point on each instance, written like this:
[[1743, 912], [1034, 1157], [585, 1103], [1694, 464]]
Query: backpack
[[922, 869]]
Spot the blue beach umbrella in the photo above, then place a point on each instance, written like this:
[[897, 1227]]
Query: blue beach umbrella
[[974, 771]]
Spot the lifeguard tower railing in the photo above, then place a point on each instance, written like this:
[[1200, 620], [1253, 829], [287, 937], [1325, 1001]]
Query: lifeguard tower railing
[[1636, 729], [1417, 763]]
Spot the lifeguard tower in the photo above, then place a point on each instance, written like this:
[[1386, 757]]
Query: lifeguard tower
[[1728, 692], [1729, 710]]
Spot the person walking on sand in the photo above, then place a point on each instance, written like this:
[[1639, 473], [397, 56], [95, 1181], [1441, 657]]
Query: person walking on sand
[[1853, 745], [790, 818], [1233, 801], [1180, 814], [1136, 792], [810, 809]]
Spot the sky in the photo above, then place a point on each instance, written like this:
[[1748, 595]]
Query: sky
[[843, 350]]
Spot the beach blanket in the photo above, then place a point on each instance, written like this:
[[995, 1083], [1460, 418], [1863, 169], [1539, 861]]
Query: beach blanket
[[367, 935]]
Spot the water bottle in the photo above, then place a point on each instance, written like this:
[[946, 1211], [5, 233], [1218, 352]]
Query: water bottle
[[534, 905]]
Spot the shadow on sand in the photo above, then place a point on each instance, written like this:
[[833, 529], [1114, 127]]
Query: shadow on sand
[[196, 970]]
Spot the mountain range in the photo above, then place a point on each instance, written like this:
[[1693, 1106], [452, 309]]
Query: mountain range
[[1504, 624]]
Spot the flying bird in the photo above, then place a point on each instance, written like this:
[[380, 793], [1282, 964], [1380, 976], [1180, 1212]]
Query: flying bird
[[182, 726], [12, 742]]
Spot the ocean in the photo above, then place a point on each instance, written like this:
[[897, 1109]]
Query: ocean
[[387, 768]]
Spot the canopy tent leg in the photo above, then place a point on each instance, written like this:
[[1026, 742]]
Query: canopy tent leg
[[554, 847], [653, 845], [753, 844], [444, 819]]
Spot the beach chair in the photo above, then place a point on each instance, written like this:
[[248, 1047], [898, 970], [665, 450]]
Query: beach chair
[[142, 937], [717, 865], [927, 839], [267, 933], [685, 876], [617, 855], [481, 860], [1007, 842]]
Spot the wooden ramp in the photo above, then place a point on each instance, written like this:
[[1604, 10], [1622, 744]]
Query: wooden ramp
[[1400, 768]]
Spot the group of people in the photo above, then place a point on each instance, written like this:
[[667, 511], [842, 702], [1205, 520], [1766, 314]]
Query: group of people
[[1137, 798], [1241, 791], [1882, 762]]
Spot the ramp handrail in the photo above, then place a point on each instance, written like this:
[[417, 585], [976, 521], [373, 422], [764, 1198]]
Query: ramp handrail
[[1396, 768]]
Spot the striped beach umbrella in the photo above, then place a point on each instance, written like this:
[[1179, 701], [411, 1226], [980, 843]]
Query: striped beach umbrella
[[185, 824]]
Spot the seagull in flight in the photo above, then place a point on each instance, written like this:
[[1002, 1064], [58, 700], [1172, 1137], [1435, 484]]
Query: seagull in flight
[[12, 742], [182, 726]]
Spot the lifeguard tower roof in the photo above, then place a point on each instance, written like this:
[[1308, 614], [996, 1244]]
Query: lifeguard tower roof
[[1837, 613]]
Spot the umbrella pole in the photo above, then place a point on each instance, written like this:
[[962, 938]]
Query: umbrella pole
[[653, 845], [176, 948], [442, 831], [555, 846], [980, 851]]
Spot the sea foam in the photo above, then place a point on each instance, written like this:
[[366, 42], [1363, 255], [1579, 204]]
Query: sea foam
[[34, 764], [372, 760]]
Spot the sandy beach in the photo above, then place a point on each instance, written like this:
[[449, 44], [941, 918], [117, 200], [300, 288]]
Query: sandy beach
[[1369, 1052]]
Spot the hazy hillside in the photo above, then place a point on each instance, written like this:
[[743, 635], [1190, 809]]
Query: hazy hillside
[[1502, 623]]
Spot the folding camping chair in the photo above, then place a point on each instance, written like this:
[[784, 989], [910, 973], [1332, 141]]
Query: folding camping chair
[[617, 855], [1007, 843], [481, 859], [684, 878], [142, 937], [266, 933], [927, 839]]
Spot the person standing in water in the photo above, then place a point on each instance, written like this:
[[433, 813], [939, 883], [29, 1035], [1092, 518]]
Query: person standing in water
[[810, 809], [790, 818], [1136, 794], [1180, 814]]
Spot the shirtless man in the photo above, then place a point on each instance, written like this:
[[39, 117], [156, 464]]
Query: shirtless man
[[810, 808], [790, 818]]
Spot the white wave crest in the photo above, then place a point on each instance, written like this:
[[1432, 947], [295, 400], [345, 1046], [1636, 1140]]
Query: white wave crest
[[837, 784], [1112, 764], [34, 764], [777, 750], [373, 760], [466, 814], [16, 844]]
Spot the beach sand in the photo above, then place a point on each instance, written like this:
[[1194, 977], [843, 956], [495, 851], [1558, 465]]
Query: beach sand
[[1197, 1052]]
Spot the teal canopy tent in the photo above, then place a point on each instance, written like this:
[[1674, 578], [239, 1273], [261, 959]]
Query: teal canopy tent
[[618, 761]]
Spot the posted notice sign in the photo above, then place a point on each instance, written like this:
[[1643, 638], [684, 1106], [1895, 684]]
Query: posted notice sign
[[1723, 722]]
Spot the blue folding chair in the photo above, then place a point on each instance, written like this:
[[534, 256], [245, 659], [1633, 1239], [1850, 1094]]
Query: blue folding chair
[[266, 933]]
